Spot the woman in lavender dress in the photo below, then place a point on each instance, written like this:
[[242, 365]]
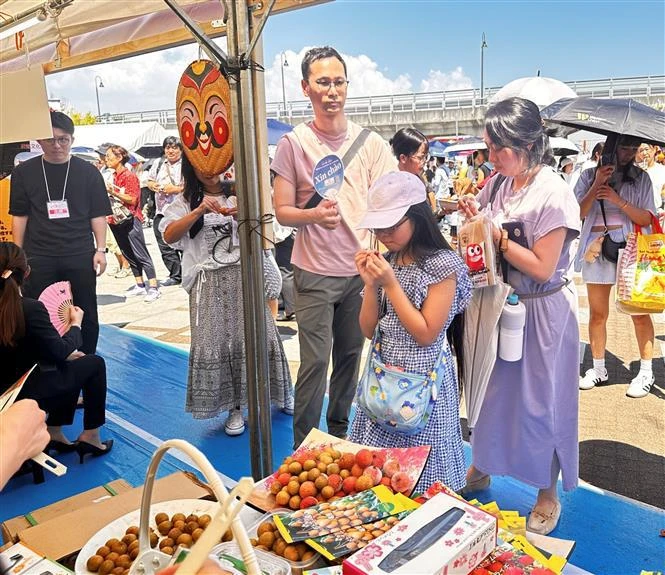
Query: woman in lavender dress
[[527, 426]]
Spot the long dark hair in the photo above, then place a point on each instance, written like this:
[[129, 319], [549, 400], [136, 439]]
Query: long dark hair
[[407, 141], [426, 240], [13, 269], [515, 123]]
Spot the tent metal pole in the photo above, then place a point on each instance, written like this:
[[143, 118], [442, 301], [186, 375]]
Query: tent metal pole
[[247, 184]]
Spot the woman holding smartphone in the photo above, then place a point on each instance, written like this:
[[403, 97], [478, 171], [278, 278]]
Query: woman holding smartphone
[[527, 426]]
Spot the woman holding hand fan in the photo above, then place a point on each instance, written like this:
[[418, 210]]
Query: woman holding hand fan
[[27, 337]]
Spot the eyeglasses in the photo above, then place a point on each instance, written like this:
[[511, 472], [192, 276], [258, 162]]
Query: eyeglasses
[[391, 229], [61, 141], [327, 83], [172, 147], [418, 157]]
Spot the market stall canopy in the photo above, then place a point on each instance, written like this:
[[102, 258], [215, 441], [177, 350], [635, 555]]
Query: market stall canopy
[[65, 34], [276, 130], [437, 149], [131, 136]]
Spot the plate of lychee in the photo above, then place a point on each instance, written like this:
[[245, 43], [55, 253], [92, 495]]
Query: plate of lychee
[[326, 468]]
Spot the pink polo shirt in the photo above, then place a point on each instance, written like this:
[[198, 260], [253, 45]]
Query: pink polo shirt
[[317, 249]]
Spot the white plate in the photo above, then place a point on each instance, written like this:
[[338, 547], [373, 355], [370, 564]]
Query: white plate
[[118, 527]]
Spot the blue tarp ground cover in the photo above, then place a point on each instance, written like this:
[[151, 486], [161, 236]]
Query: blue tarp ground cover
[[147, 382]]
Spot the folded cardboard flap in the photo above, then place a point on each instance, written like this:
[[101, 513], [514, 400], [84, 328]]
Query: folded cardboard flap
[[12, 527], [69, 532]]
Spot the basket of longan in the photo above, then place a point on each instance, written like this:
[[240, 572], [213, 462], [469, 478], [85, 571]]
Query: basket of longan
[[144, 541]]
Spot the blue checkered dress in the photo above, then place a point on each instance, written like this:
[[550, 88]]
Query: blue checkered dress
[[443, 432]]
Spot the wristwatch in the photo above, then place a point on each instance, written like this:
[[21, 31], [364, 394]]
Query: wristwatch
[[102, 250], [503, 242]]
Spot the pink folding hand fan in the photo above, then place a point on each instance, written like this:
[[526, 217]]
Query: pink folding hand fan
[[58, 299]]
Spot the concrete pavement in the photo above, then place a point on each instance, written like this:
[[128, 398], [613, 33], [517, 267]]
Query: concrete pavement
[[622, 440]]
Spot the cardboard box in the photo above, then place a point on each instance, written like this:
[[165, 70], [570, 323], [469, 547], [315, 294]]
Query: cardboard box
[[444, 535], [66, 534], [12, 527]]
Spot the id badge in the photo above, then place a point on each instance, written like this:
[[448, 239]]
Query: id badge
[[57, 209]]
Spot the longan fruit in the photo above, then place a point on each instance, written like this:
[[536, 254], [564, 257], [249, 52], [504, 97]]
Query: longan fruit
[[129, 538], [294, 502], [133, 530], [192, 517], [228, 536], [164, 527], [180, 524], [174, 533], [184, 539], [94, 562], [265, 526], [303, 476], [120, 548], [178, 517], [253, 541], [103, 551], [134, 553], [111, 542], [166, 542], [204, 520], [112, 556], [295, 468], [275, 487], [106, 567], [168, 550], [196, 534], [160, 518], [153, 539], [117, 571], [293, 487], [123, 561], [191, 527], [133, 545], [291, 553], [279, 546], [267, 539], [282, 498]]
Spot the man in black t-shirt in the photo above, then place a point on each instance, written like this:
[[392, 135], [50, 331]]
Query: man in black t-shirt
[[58, 203]]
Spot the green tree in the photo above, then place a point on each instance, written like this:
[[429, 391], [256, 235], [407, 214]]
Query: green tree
[[80, 119]]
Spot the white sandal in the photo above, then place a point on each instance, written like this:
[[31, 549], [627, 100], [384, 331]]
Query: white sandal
[[544, 523]]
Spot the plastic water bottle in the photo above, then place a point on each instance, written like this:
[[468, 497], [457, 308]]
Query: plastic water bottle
[[511, 329]]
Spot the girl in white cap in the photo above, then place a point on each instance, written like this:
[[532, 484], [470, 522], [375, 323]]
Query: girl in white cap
[[415, 293]]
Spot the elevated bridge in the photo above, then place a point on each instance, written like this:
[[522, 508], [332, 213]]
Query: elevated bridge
[[453, 112]]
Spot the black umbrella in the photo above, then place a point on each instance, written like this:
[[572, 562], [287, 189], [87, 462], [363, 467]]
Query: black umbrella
[[609, 116]]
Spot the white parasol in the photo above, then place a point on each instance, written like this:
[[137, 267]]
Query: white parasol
[[540, 90], [481, 337]]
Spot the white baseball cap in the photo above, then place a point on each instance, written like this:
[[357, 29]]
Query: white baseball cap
[[390, 197]]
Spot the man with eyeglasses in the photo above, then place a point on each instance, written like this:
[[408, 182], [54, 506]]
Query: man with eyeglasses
[[59, 203], [165, 179], [326, 281]]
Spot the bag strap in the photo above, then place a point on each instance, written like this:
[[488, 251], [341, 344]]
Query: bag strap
[[656, 228], [496, 180], [315, 200]]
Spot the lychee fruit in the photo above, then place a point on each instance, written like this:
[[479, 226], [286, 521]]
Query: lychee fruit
[[391, 467], [374, 473], [378, 459], [357, 470], [335, 481], [308, 502], [400, 481], [349, 484], [364, 458]]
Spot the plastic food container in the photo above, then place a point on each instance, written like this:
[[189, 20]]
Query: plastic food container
[[297, 567], [229, 556]]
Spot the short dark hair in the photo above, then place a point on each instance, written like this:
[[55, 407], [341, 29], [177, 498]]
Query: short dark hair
[[62, 121], [407, 141], [120, 151], [171, 141], [319, 53]]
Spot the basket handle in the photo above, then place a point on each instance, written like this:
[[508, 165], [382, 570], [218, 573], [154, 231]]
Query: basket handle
[[214, 480]]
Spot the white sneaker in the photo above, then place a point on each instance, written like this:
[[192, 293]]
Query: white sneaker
[[592, 378], [123, 273], [135, 290], [235, 423], [640, 385], [152, 295]]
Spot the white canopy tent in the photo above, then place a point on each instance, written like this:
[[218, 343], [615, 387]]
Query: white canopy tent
[[130, 136]]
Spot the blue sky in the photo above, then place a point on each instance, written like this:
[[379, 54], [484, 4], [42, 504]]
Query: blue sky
[[566, 40], [411, 45]]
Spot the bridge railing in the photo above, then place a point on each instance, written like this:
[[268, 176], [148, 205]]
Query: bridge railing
[[635, 87]]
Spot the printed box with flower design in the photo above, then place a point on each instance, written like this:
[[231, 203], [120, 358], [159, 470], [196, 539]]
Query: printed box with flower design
[[444, 536]]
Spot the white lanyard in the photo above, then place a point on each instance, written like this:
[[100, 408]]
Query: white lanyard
[[64, 188]]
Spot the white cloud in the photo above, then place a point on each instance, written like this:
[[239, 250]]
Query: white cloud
[[149, 82], [438, 81]]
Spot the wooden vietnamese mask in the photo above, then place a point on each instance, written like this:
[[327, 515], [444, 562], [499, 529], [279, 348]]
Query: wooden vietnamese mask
[[203, 114]]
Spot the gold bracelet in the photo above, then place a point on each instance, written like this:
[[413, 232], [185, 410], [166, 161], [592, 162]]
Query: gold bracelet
[[503, 243], [624, 205]]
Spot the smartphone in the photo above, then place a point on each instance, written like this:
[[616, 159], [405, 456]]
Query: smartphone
[[516, 233]]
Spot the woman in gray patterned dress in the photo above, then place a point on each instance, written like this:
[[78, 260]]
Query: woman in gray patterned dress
[[425, 286], [201, 223]]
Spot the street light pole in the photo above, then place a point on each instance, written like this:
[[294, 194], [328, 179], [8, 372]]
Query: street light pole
[[284, 64], [97, 86], [483, 45]]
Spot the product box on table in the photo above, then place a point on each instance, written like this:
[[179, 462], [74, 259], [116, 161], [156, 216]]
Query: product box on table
[[12, 527], [444, 536], [68, 533]]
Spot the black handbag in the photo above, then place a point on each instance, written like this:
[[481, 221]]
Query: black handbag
[[610, 248]]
